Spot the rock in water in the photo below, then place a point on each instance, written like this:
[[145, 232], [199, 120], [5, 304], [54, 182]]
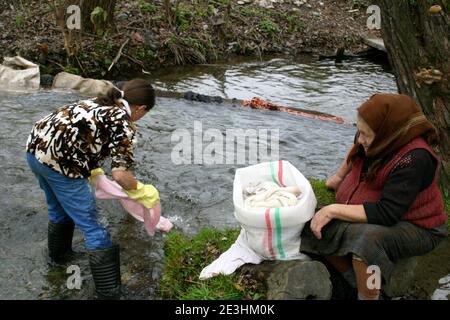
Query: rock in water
[[46, 80]]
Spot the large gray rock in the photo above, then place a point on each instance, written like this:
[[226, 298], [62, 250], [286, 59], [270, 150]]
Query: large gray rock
[[402, 278], [46, 80], [292, 280], [299, 280]]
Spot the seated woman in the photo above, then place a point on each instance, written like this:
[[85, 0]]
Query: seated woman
[[389, 205]]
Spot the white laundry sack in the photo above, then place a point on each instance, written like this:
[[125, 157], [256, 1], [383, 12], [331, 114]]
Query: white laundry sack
[[274, 233], [17, 73]]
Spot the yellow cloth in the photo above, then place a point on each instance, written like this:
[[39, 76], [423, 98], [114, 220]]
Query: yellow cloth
[[94, 173], [146, 194]]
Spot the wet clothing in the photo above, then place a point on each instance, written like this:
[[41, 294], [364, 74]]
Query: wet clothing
[[71, 200], [77, 138]]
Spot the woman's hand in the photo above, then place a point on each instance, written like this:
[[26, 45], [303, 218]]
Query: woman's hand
[[334, 182], [344, 212], [125, 179], [321, 219]]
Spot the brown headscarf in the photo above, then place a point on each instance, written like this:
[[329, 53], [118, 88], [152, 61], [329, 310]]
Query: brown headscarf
[[396, 120]]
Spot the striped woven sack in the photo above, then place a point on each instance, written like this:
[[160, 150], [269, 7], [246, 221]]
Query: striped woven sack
[[274, 233]]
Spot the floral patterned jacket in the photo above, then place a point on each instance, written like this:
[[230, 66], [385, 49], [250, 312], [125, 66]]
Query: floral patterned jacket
[[77, 138]]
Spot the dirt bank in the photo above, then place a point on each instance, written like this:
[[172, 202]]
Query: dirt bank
[[201, 32]]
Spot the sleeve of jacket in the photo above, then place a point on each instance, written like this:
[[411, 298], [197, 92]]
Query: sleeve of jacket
[[414, 174]]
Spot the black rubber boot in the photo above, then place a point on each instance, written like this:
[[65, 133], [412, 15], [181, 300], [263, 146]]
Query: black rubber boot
[[105, 268], [60, 242]]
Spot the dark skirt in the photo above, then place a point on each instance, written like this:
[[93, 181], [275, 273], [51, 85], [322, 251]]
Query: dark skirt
[[374, 244]]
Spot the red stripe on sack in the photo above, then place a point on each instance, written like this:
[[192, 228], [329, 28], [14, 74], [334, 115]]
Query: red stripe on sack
[[280, 173], [269, 233], [264, 245]]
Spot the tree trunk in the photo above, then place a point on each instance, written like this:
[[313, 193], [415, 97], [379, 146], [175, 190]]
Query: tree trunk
[[416, 41]]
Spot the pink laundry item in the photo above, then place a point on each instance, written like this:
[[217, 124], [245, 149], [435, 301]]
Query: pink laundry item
[[106, 189]]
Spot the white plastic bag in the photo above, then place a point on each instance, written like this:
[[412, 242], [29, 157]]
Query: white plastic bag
[[274, 233], [17, 73], [87, 86]]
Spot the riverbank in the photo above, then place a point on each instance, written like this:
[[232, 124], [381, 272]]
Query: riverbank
[[201, 32]]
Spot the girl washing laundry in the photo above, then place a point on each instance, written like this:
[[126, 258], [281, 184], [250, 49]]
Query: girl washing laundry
[[66, 148]]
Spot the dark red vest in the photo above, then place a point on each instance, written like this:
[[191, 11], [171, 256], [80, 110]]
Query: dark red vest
[[426, 211]]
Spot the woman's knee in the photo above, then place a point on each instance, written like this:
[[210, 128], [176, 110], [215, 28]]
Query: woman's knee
[[372, 235]]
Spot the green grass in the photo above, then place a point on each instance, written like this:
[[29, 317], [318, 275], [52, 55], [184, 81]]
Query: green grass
[[183, 16], [323, 195], [268, 26], [252, 11], [147, 7], [294, 23], [357, 4], [186, 257]]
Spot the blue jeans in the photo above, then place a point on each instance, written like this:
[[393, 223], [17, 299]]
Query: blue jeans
[[71, 199]]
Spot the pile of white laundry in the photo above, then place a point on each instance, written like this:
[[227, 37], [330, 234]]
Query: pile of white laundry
[[270, 195]]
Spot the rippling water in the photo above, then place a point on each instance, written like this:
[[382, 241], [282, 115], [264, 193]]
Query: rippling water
[[193, 195], [306, 83]]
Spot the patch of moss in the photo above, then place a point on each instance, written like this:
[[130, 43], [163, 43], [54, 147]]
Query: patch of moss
[[323, 195]]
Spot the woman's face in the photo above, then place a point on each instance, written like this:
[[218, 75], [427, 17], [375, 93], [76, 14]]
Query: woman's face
[[366, 134]]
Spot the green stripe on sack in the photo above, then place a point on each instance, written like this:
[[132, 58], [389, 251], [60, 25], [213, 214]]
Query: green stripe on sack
[[278, 223], [272, 171]]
